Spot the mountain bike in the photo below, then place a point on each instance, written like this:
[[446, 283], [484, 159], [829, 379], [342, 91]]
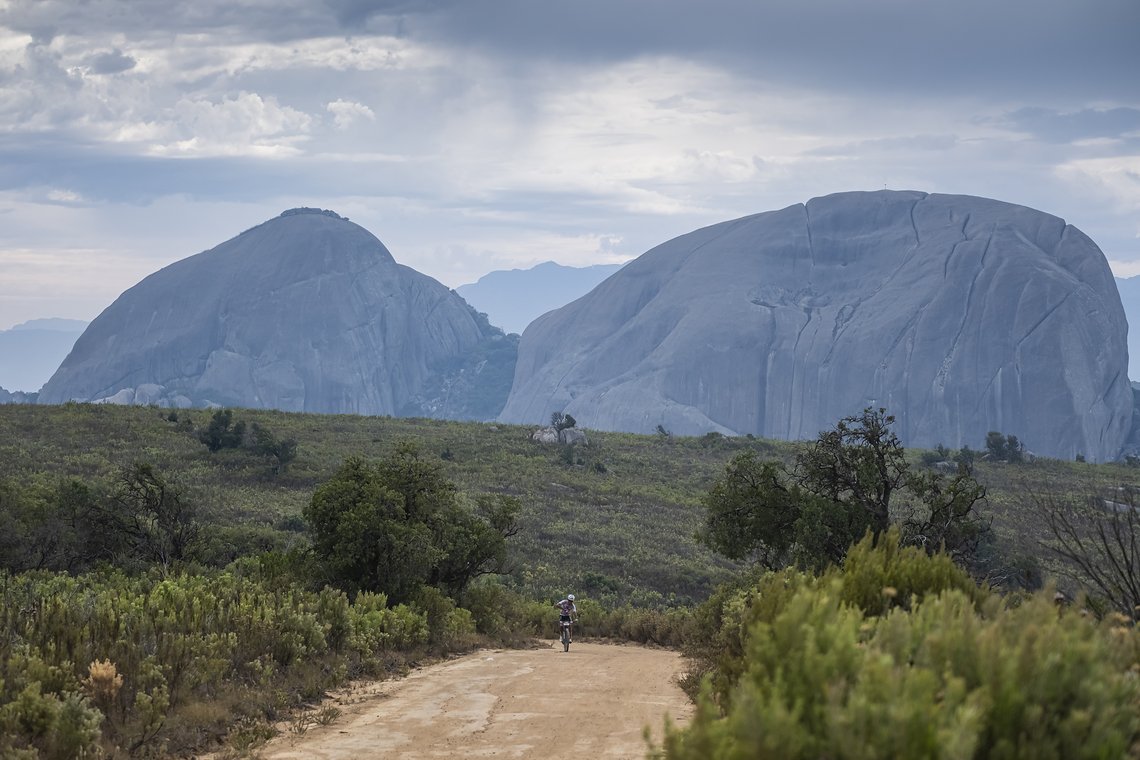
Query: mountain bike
[[565, 634]]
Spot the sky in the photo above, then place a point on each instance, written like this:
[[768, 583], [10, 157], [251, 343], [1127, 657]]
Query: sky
[[474, 135]]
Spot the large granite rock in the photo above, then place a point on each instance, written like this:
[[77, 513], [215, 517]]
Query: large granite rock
[[960, 315], [306, 312]]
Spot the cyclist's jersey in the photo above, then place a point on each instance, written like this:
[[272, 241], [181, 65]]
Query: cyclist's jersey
[[567, 607]]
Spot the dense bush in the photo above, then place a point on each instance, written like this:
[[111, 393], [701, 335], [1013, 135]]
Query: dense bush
[[152, 665], [848, 665]]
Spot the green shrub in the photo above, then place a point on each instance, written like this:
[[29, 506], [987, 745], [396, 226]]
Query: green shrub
[[377, 627], [879, 576], [49, 726], [503, 614], [821, 667], [449, 628]]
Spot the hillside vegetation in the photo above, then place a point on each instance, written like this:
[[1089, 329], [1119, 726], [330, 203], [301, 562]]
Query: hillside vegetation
[[159, 594], [614, 519]]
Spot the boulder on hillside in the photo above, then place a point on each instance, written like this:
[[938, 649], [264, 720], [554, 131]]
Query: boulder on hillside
[[566, 436], [546, 435], [307, 312], [959, 315], [573, 437]]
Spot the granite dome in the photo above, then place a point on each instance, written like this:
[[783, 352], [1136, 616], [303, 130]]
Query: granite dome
[[959, 314], [306, 312]]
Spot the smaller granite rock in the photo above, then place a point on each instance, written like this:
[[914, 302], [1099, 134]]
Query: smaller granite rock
[[148, 394], [572, 437], [565, 437], [125, 397], [545, 435]]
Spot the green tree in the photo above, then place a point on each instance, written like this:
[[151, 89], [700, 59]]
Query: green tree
[[474, 541], [839, 489], [223, 432], [560, 421], [752, 512], [363, 536], [1004, 448], [282, 450], [859, 465], [399, 524], [151, 514]]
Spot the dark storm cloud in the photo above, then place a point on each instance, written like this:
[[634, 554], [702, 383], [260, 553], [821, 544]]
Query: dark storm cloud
[[357, 14], [266, 20], [114, 62], [1014, 46]]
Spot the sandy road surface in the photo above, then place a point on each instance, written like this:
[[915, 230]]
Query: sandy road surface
[[540, 703]]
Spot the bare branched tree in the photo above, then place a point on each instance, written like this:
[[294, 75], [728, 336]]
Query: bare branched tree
[[1100, 541]]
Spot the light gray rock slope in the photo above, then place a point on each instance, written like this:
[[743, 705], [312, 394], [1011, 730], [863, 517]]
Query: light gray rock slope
[[306, 312], [960, 315]]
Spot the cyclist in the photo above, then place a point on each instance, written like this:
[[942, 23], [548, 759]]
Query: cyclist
[[566, 609]]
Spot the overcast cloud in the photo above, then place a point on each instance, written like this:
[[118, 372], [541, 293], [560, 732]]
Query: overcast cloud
[[471, 136]]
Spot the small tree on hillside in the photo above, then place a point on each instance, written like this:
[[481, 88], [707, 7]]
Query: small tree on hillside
[[152, 514], [560, 421], [840, 488], [860, 464], [282, 450], [1004, 448], [752, 511], [223, 432]]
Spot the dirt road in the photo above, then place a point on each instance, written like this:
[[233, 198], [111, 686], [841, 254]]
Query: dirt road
[[591, 702]]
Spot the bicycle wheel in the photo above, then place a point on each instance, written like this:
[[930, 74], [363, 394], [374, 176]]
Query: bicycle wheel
[[565, 638]]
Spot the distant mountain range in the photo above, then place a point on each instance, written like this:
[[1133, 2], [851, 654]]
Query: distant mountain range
[[31, 351], [514, 298], [1129, 288]]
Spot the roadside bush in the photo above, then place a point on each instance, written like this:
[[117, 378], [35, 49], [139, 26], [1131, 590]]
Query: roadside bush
[[637, 624], [816, 667], [48, 726], [504, 615], [449, 627], [378, 628], [143, 651]]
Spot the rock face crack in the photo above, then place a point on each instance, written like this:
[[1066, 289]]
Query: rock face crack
[[1041, 321]]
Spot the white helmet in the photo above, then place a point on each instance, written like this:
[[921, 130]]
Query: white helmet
[[570, 597]]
